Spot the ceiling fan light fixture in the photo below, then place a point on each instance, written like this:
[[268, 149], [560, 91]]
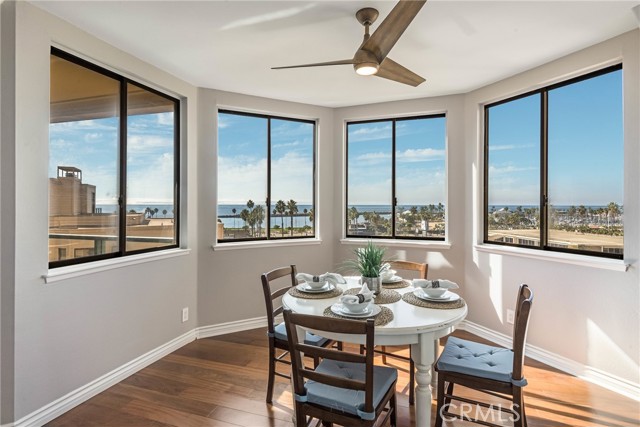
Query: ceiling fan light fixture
[[366, 68]]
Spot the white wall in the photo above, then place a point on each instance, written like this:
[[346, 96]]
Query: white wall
[[71, 332], [443, 262], [587, 314], [229, 280]]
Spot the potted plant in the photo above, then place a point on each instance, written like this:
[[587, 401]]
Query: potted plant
[[368, 264]]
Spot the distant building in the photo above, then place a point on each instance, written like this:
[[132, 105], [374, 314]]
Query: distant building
[[68, 195]]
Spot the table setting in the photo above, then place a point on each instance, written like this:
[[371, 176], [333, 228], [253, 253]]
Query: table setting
[[406, 312]]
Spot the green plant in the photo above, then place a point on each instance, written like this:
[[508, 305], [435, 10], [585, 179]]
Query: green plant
[[368, 260]]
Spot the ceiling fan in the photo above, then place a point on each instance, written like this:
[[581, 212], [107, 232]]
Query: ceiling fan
[[371, 57]]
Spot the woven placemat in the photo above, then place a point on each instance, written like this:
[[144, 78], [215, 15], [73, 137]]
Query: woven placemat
[[385, 316], [396, 285], [336, 292], [410, 298], [386, 296]]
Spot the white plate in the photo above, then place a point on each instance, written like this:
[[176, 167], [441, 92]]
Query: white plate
[[305, 287], [446, 297], [372, 310], [394, 279]]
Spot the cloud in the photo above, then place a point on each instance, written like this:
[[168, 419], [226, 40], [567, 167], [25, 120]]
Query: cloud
[[165, 119], [370, 132], [509, 147], [148, 144], [242, 178], [287, 144], [420, 155], [509, 169]]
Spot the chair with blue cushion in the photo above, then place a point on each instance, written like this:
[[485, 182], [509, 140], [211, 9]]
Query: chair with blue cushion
[[345, 388], [493, 370], [282, 279]]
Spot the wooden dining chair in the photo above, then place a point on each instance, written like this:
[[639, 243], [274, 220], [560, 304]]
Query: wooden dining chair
[[276, 283], [421, 269], [345, 388], [493, 370]]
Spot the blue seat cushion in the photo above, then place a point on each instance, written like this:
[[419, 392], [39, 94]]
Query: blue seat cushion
[[478, 360], [346, 400], [310, 339]]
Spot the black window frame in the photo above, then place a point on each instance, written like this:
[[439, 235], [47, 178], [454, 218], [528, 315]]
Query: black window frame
[[122, 163], [394, 200], [270, 117], [544, 133]]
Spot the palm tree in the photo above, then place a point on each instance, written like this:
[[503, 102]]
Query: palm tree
[[155, 211], [164, 213], [292, 208], [281, 208], [244, 215], [258, 217], [305, 211], [233, 211], [353, 215]]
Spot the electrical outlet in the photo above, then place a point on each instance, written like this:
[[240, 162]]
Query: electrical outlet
[[185, 314], [510, 316]]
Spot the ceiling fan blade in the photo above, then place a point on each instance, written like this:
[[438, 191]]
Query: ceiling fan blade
[[317, 64], [391, 70], [389, 31]]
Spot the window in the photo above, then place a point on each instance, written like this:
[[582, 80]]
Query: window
[[554, 167], [266, 177], [113, 164], [396, 178]]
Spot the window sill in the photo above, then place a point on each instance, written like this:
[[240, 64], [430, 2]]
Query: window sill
[[229, 246], [425, 244], [581, 260], [64, 273]]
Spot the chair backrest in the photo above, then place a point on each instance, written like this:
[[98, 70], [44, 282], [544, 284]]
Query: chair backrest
[[281, 287], [520, 326], [322, 324], [420, 267]]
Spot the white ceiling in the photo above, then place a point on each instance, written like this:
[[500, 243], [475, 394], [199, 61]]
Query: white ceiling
[[457, 46]]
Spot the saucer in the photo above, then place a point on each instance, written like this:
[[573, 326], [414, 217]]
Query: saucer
[[446, 297], [372, 310], [305, 287], [393, 279]]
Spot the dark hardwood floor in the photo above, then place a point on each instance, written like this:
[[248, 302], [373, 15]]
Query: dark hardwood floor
[[221, 382]]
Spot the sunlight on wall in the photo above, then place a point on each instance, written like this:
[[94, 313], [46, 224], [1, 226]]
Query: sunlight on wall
[[602, 350], [495, 283]]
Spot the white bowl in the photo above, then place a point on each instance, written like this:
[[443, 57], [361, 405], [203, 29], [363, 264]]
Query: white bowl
[[316, 285], [358, 307], [434, 292]]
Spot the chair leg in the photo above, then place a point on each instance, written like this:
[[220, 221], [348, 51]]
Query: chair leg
[[339, 345], [301, 419], [272, 373], [327, 424], [392, 408], [518, 406], [441, 401], [384, 356], [447, 400], [316, 361], [361, 349], [412, 381]]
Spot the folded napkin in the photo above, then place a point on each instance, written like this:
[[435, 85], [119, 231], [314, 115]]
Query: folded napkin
[[334, 278], [440, 283], [364, 295]]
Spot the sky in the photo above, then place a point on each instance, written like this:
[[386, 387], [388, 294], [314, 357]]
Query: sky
[[242, 160], [92, 146], [420, 162], [585, 154]]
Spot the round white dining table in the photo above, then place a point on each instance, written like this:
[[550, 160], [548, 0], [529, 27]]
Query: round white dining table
[[411, 325]]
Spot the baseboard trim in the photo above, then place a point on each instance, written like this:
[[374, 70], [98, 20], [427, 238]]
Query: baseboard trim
[[585, 372], [84, 393], [230, 327]]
